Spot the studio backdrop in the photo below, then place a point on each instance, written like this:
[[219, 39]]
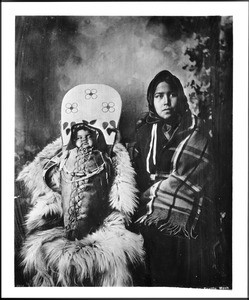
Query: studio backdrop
[[55, 53]]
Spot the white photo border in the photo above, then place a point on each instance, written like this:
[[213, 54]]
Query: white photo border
[[239, 11]]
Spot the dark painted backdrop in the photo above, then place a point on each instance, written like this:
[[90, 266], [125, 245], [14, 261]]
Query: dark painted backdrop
[[53, 54]]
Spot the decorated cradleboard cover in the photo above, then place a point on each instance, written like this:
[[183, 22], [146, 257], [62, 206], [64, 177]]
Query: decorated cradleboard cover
[[97, 104]]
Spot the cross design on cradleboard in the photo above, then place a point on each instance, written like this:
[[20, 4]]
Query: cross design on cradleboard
[[91, 94], [71, 108], [108, 107]]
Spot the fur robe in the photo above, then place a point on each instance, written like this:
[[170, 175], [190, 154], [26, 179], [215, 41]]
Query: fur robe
[[102, 258]]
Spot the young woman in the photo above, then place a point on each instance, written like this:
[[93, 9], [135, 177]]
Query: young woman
[[176, 213]]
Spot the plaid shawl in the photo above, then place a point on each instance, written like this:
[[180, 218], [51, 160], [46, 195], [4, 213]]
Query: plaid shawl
[[174, 204]]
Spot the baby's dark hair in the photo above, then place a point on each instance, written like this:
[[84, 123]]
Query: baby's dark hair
[[166, 76]]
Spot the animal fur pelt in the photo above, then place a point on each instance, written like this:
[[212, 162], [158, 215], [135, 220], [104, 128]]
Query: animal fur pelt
[[102, 258]]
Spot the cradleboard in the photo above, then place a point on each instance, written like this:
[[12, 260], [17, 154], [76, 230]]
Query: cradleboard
[[77, 233]]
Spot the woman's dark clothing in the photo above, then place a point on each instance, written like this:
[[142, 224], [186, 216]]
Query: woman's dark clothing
[[176, 214]]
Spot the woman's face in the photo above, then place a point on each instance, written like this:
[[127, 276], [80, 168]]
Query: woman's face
[[165, 100]]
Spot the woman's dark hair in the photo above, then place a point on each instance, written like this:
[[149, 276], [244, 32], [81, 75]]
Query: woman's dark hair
[[174, 82]]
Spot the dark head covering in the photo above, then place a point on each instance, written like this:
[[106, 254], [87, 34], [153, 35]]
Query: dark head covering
[[174, 82]]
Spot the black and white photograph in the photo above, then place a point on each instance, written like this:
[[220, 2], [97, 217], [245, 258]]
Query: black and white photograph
[[125, 156]]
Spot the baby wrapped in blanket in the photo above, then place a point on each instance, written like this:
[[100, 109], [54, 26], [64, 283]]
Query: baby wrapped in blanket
[[83, 177]]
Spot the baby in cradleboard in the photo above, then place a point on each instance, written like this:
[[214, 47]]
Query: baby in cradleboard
[[83, 176], [83, 195]]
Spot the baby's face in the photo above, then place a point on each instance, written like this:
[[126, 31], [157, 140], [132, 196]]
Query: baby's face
[[84, 138]]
